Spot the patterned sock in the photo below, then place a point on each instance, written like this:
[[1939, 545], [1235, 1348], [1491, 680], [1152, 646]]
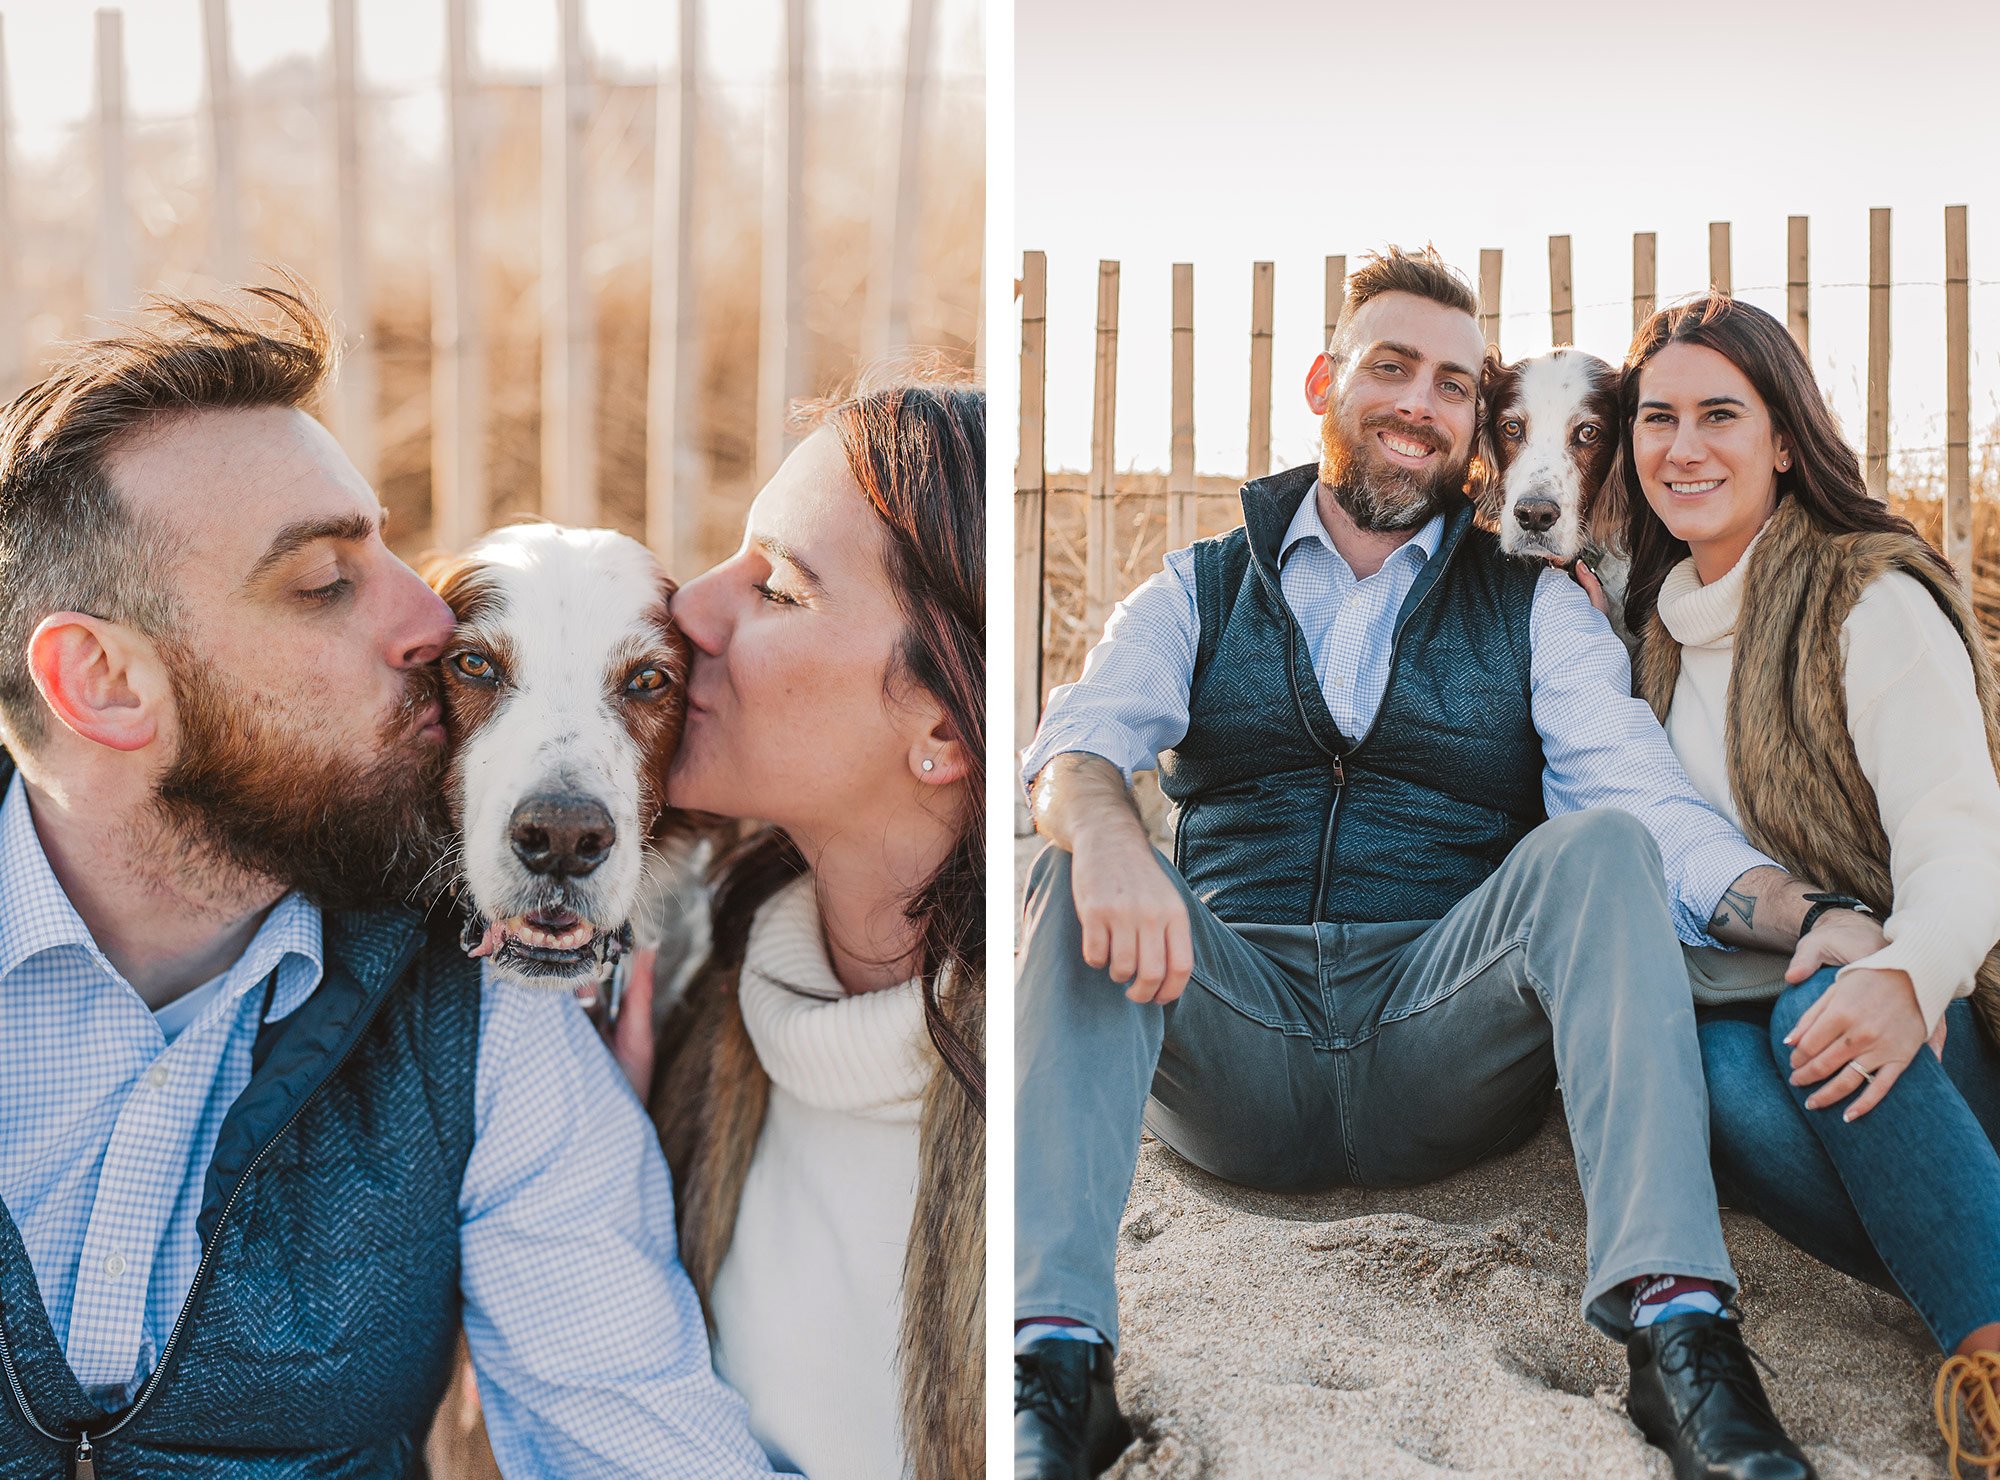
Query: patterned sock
[[1664, 1295], [1062, 1328]]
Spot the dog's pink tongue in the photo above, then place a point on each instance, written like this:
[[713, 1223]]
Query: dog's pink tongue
[[489, 942]]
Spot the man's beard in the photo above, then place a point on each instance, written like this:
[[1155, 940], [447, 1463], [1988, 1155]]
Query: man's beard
[[1376, 493], [263, 800]]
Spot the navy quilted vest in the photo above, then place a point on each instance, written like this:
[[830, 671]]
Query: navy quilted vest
[[1280, 818], [319, 1335]]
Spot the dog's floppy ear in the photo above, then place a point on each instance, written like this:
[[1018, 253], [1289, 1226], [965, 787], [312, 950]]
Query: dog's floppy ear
[[1607, 510], [463, 582], [1482, 474]]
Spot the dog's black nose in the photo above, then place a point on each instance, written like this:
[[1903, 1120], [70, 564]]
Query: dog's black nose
[[563, 836], [1536, 515]]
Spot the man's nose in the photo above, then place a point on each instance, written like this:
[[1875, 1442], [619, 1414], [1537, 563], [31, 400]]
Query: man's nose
[[426, 622]]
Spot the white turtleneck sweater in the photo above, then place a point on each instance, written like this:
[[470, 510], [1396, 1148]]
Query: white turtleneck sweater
[[808, 1301], [1918, 734]]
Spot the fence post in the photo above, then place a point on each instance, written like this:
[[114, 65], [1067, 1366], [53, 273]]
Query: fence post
[[1958, 397], [1181, 502], [569, 420], [1562, 316], [1336, 296], [1797, 284], [458, 340], [1877, 460], [10, 267], [1262, 308], [114, 220], [1097, 559], [1645, 277], [354, 397], [780, 331], [225, 222], [1718, 256], [897, 207], [1030, 511], [1489, 296], [673, 486]]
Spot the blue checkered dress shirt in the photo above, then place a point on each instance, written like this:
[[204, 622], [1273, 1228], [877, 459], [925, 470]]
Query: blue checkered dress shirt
[[588, 1341], [1601, 747]]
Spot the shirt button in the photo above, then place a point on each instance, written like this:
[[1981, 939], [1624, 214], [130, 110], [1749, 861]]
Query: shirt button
[[115, 1265], [156, 1076]]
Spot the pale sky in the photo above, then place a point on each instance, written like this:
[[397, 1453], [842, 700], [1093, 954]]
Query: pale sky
[[1174, 131], [51, 74]]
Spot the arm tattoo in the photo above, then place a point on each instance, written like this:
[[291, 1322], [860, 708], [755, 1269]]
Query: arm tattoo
[[1734, 900]]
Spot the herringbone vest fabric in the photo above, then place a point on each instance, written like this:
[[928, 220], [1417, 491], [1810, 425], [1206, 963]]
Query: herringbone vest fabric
[[1423, 807], [320, 1336]]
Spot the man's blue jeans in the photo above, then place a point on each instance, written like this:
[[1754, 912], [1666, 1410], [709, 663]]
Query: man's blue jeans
[[1907, 1197]]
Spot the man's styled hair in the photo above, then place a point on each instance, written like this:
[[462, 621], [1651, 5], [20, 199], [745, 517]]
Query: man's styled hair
[[1397, 270], [67, 542]]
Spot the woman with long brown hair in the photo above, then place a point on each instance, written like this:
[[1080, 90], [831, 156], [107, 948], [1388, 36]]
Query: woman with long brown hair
[[820, 1089], [1825, 684]]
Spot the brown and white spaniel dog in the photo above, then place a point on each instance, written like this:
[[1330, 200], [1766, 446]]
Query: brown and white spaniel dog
[[565, 691], [1548, 442]]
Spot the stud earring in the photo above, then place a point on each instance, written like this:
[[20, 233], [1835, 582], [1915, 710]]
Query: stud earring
[[929, 764]]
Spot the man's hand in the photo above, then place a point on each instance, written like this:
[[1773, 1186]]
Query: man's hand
[[1867, 1018], [1838, 937], [1135, 922]]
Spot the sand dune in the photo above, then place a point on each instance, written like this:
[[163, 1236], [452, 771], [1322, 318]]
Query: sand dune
[[1434, 1330]]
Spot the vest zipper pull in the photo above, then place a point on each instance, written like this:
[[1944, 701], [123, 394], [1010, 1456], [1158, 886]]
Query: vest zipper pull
[[1339, 775], [86, 1461]]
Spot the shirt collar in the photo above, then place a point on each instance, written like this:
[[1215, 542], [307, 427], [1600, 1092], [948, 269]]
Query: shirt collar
[[1307, 525], [36, 916]]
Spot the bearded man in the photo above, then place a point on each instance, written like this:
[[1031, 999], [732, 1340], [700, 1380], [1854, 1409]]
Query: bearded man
[[264, 1141], [1430, 861]]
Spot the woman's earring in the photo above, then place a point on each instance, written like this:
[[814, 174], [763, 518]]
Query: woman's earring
[[929, 764]]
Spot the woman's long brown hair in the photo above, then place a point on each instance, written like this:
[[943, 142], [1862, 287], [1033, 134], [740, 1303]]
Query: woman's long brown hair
[[1825, 476], [918, 451]]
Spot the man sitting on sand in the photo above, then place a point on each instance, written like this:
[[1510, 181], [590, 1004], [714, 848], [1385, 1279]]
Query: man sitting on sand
[[1430, 862], [264, 1140]]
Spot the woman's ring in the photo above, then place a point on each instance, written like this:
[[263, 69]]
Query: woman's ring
[[1866, 1077]]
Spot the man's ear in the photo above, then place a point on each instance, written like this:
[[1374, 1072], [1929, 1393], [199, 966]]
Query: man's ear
[[1319, 384], [102, 679], [939, 758]]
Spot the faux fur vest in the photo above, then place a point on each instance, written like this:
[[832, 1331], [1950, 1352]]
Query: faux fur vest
[[708, 1101], [1793, 773]]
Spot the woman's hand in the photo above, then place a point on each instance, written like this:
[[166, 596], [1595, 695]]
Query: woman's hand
[[1585, 577], [1867, 1018], [629, 1035]]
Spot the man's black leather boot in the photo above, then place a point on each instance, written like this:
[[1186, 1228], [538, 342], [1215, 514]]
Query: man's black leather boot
[[1066, 1420], [1696, 1395]]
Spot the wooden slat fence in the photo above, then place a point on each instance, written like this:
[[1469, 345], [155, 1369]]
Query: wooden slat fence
[[902, 266], [1131, 519]]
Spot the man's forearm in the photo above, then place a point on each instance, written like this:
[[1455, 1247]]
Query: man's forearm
[[1763, 908], [1078, 795]]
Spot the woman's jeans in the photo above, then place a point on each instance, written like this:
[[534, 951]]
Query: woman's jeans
[[1907, 1197]]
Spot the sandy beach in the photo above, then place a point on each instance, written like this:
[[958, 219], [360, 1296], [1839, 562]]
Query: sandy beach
[[1435, 1331]]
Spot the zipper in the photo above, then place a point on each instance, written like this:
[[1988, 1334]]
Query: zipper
[[84, 1454], [1446, 550]]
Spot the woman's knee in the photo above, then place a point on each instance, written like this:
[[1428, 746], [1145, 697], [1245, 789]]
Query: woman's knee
[[1793, 1004]]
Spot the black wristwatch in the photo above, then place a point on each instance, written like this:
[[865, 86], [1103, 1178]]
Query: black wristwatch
[[1821, 903]]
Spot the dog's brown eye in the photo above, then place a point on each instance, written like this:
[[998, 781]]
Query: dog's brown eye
[[1587, 433], [1511, 429], [475, 666], [646, 681]]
